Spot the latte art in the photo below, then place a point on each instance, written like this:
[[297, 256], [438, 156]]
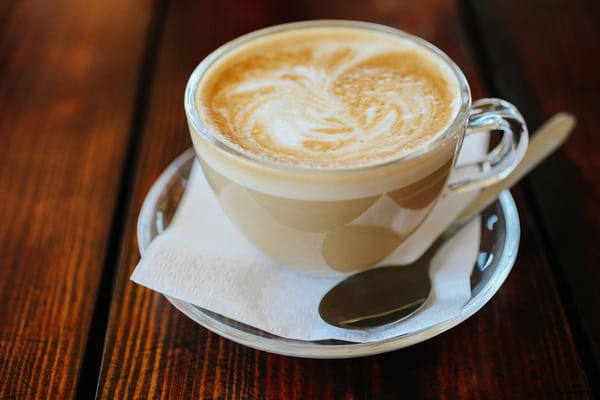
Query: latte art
[[328, 97]]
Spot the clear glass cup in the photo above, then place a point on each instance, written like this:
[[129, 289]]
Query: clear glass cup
[[332, 220]]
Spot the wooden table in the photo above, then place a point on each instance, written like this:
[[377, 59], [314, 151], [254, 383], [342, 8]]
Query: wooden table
[[91, 113]]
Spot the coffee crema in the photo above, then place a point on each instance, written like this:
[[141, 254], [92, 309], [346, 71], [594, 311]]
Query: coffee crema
[[328, 97]]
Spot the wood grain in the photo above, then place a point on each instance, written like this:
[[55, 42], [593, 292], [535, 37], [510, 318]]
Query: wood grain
[[518, 346], [554, 59], [68, 73]]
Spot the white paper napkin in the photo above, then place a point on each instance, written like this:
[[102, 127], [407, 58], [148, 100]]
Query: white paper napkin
[[202, 259]]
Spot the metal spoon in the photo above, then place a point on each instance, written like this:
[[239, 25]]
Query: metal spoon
[[389, 294]]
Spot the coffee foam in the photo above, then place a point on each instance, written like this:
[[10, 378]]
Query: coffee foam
[[328, 97]]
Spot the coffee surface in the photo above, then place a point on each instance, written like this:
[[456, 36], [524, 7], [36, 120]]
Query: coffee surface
[[328, 97]]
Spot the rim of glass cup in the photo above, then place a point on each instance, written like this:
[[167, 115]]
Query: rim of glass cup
[[199, 126]]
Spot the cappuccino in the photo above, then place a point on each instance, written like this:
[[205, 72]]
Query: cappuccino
[[328, 97], [327, 143]]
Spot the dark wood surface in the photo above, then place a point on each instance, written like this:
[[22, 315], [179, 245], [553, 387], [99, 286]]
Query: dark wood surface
[[91, 113]]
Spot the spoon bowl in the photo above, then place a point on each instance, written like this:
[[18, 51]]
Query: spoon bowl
[[346, 307]]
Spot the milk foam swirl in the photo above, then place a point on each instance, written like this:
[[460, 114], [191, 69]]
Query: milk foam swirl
[[339, 98]]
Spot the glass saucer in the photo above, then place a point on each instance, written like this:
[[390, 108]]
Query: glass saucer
[[500, 233]]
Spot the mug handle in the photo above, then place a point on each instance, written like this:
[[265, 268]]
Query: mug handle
[[489, 115]]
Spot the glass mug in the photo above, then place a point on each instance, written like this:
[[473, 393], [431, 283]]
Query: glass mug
[[332, 219]]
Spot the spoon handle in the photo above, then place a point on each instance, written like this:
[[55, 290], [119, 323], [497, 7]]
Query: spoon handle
[[546, 139]]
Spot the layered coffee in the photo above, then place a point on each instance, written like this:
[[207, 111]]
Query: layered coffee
[[327, 146], [328, 97]]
